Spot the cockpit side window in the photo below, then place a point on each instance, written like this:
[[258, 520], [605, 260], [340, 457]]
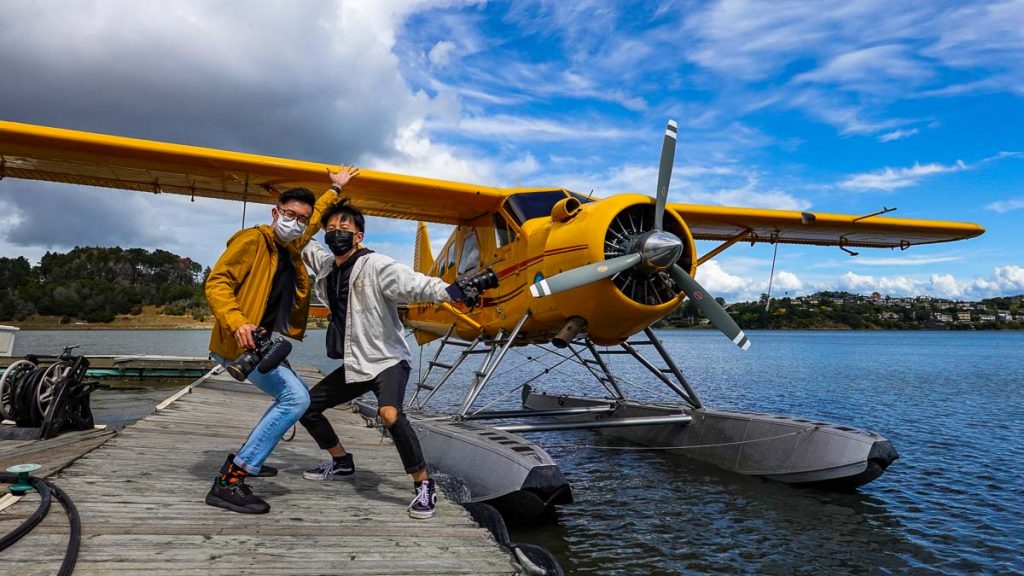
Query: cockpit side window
[[503, 231], [470, 254]]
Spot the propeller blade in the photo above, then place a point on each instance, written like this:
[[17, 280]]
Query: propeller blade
[[583, 275], [710, 307], [668, 155]]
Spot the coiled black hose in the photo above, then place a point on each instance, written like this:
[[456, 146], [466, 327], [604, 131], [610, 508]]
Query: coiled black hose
[[45, 489], [29, 523]]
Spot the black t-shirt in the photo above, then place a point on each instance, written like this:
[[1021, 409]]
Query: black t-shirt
[[282, 294], [337, 299]]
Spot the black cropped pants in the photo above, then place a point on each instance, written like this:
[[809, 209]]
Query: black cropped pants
[[389, 388]]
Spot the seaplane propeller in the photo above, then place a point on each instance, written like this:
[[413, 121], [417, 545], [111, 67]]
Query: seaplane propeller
[[650, 252]]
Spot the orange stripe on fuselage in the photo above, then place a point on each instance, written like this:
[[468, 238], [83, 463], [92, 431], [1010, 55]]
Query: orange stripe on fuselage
[[531, 261]]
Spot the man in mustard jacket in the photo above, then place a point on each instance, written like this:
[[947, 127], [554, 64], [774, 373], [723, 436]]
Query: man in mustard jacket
[[259, 282]]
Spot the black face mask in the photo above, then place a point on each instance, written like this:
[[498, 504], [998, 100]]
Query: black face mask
[[339, 241]]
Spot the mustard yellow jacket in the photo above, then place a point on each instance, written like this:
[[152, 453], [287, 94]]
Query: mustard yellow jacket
[[239, 284]]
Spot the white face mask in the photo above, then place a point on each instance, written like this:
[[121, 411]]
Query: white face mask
[[288, 229]]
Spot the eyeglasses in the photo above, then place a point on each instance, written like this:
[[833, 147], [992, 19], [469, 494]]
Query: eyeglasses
[[291, 215]]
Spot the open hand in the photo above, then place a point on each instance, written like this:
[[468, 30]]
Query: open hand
[[343, 175]]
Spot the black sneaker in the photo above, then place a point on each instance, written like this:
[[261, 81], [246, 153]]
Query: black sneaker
[[331, 469], [424, 504], [236, 497], [267, 472]]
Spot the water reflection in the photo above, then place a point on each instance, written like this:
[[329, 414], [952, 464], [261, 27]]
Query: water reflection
[[644, 512]]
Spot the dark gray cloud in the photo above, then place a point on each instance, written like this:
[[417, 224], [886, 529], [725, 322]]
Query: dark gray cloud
[[257, 78], [61, 216], [303, 80]]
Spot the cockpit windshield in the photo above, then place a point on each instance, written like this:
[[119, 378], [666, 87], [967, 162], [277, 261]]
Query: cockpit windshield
[[529, 205]]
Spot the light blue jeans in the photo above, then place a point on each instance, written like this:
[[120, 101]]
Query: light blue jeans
[[291, 399]]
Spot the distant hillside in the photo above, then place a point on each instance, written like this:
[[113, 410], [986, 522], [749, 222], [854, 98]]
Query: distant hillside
[[845, 311], [94, 284]]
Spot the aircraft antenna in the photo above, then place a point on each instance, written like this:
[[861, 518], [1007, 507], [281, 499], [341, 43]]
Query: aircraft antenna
[[771, 275]]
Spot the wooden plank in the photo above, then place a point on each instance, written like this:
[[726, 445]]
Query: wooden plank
[[140, 496]]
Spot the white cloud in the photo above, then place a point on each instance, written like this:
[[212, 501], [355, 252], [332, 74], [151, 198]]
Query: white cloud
[[1004, 281], [786, 281], [853, 282], [441, 53], [908, 260], [521, 167], [1009, 277], [747, 195], [897, 135], [889, 179], [1003, 206], [866, 53], [719, 282], [739, 288], [417, 154], [507, 127], [876, 69]]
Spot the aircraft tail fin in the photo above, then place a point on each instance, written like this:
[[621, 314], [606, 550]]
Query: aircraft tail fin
[[422, 260]]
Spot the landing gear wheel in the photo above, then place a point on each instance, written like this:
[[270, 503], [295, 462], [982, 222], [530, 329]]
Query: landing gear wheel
[[7, 381], [48, 384]]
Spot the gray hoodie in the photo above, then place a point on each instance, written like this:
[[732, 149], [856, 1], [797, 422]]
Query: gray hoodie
[[373, 330]]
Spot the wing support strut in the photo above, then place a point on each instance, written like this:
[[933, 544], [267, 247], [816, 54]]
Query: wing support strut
[[723, 246]]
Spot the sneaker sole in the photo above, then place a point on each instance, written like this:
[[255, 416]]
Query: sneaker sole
[[220, 503], [421, 515], [313, 476]]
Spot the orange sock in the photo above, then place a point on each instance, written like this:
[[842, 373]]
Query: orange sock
[[232, 475]]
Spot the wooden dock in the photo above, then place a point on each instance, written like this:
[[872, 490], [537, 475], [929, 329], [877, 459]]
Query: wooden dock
[[140, 497]]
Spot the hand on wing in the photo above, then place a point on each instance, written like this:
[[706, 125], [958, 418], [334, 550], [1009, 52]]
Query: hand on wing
[[343, 175], [243, 336]]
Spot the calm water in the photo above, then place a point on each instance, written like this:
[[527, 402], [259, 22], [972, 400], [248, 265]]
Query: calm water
[[952, 404]]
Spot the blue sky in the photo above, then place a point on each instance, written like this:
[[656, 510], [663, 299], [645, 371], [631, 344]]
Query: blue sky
[[827, 106]]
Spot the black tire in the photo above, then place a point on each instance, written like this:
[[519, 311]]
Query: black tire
[[488, 517]]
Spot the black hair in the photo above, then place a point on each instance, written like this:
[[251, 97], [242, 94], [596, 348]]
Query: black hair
[[297, 195], [345, 207]]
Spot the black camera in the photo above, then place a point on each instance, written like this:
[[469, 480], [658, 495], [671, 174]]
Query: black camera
[[268, 354], [473, 284]]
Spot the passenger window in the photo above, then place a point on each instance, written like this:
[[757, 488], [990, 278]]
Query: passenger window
[[503, 232], [470, 254], [439, 264], [451, 257]]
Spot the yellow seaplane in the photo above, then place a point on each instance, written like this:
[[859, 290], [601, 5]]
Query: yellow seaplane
[[580, 277]]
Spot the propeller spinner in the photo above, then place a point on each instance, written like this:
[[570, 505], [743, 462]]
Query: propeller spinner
[[655, 251]]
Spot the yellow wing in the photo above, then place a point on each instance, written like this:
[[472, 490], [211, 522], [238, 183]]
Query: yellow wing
[[792, 227], [58, 155]]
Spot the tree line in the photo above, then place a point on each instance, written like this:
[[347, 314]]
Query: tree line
[[94, 284], [855, 313]]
